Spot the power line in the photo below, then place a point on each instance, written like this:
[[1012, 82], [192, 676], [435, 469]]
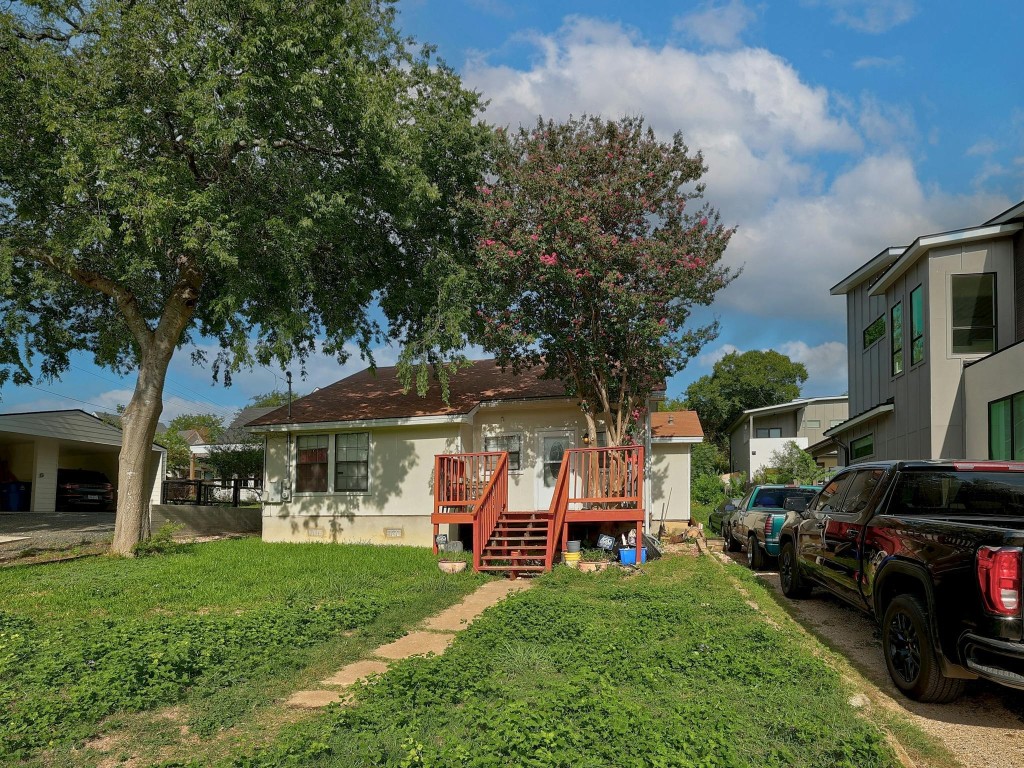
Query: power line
[[66, 397]]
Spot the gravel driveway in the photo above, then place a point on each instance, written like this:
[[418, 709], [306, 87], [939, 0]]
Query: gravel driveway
[[49, 530], [984, 729]]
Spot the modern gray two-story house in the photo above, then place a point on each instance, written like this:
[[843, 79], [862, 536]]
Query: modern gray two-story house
[[934, 332]]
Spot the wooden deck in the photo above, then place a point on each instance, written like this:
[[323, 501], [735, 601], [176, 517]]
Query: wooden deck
[[594, 485]]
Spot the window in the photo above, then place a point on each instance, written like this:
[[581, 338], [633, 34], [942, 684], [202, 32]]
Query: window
[[874, 332], [812, 423], [973, 314], [916, 326], [511, 443], [352, 462], [896, 337], [861, 490], [830, 496], [1006, 428], [862, 446], [311, 464], [768, 432], [966, 494]]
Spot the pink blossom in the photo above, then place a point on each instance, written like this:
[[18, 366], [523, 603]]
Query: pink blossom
[[550, 259], [535, 238], [704, 221], [584, 219]]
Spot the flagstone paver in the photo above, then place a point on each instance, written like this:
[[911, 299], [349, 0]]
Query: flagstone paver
[[357, 670], [435, 635]]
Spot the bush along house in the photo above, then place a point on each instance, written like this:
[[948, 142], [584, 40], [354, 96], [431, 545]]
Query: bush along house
[[934, 332], [503, 466]]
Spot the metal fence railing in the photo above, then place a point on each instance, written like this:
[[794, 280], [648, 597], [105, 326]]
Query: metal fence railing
[[233, 492]]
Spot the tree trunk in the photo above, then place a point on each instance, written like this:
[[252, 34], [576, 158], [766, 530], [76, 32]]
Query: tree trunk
[[136, 464]]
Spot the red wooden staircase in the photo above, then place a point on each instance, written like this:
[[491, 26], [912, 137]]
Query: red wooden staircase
[[518, 543]]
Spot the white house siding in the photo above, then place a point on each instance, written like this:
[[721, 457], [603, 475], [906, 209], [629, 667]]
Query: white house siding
[[670, 484], [531, 422], [987, 380], [762, 448], [395, 510]]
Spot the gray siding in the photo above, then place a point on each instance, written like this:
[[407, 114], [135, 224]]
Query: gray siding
[[739, 450], [868, 387], [1018, 288], [825, 413]]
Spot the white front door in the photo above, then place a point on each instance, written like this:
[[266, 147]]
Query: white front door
[[552, 446]]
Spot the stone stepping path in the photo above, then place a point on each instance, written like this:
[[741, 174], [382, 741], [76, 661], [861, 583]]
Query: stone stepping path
[[434, 635]]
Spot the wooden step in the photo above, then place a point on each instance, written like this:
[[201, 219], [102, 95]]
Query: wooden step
[[517, 568]]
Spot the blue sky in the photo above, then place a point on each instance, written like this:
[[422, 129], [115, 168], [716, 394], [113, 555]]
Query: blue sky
[[831, 128]]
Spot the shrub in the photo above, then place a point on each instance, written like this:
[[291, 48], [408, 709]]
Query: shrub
[[706, 490], [162, 542]]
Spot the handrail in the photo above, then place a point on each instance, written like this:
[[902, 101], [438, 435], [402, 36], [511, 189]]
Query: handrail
[[493, 501], [556, 519], [460, 479]]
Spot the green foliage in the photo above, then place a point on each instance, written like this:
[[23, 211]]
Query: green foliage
[[274, 399], [707, 459], [589, 263], [596, 555], [214, 627], [162, 542], [740, 381], [179, 455], [706, 490], [668, 668], [737, 486], [790, 464]]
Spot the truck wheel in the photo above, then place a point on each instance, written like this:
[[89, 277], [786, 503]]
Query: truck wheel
[[755, 557], [911, 657], [793, 584], [731, 545]]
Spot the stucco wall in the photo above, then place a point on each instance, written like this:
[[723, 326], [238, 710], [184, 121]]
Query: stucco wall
[[399, 500], [990, 379], [762, 448], [670, 484]]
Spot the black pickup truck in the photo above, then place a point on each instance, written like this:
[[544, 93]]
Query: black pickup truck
[[933, 550]]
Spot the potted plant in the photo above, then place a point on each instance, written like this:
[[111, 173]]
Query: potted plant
[[452, 558], [595, 560]]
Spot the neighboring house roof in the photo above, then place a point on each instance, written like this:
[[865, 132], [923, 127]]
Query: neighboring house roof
[[792, 405], [879, 263], [72, 424], [676, 426], [115, 420], [860, 418], [378, 395], [238, 431], [925, 243], [193, 436]]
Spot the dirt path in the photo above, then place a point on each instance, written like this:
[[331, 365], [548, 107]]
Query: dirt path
[[984, 729]]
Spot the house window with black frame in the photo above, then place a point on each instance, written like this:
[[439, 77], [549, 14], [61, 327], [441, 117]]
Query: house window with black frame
[[874, 332], [896, 338], [351, 462], [916, 326], [513, 444], [862, 447], [1006, 428], [311, 463], [973, 314], [768, 432]]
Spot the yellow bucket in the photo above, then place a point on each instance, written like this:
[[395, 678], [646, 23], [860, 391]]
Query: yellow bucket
[[571, 557]]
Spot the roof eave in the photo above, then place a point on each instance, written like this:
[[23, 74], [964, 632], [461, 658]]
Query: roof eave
[[880, 261]]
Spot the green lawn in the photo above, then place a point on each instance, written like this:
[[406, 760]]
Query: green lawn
[[668, 668], [222, 629]]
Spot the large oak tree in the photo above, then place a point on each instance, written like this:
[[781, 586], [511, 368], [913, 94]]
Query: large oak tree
[[594, 250], [256, 172]]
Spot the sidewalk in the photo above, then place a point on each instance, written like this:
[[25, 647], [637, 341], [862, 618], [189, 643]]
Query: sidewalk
[[434, 635]]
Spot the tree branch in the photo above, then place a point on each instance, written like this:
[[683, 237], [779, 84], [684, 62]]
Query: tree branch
[[126, 302]]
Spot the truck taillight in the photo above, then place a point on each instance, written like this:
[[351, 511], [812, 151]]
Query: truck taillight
[[769, 523], [999, 576]]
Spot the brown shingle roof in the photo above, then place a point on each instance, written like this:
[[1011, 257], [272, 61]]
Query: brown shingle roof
[[676, 424], [378, 395]]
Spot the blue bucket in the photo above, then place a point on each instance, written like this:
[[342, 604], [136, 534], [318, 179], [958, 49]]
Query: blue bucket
[[628, 556]]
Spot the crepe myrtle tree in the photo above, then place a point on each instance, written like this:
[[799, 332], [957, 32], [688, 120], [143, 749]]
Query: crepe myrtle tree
[[590, 261], [257, 173]]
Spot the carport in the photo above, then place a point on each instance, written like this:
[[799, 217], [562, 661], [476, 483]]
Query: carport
[[33, 446]]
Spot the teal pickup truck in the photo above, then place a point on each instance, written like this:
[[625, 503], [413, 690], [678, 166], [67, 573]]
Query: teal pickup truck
[[759, 517]]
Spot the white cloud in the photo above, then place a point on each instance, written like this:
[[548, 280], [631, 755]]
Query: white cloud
[[878, 62], [717, 25], [871, 16], [983, 147], [709, 358], [762, 130]]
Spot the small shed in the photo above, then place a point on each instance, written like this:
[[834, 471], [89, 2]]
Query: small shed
[[34, 445]]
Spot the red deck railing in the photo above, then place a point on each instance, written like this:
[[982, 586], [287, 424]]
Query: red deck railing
[[493, 501], [461, 479], [597, 479]]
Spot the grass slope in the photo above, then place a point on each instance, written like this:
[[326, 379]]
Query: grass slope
[[222, 627], [669, 668]]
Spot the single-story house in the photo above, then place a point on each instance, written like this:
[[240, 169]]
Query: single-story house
[[35, 446], [355, 461]]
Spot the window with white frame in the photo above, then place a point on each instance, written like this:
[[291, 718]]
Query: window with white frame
[[351, 462], [311, 463], [812, 423], [513, 444]]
